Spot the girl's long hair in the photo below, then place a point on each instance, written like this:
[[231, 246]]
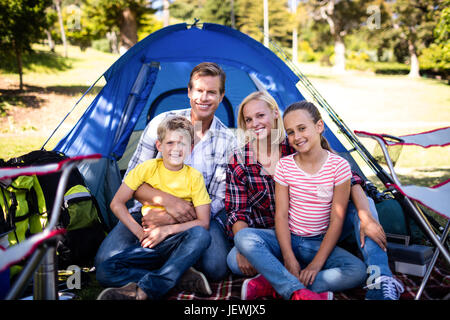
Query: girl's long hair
[[315, 115]]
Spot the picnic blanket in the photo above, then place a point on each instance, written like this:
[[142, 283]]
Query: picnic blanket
[[437, 288]]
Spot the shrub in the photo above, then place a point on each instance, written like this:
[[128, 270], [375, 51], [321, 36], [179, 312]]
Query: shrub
[[101, 45]]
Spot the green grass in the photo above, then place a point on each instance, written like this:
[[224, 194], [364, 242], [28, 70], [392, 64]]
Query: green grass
[[45, 69]]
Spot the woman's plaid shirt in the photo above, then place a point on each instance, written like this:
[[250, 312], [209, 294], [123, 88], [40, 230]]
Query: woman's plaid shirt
[[250, 190]]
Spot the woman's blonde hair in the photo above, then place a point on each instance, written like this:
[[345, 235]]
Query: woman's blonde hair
[[272, 104]]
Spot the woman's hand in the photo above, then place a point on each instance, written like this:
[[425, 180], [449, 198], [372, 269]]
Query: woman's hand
[[245, 266]]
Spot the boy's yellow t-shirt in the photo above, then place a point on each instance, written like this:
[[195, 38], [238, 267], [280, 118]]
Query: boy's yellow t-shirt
[[187, 183]]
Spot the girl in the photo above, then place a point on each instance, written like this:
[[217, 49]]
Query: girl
[[311, 194]]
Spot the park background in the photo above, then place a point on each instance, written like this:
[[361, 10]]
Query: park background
[[382, 65]]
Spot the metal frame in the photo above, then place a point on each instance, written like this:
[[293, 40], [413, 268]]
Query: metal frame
[[42, 262], [439, 242]]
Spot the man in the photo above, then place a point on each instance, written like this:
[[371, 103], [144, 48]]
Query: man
[[213, 144]]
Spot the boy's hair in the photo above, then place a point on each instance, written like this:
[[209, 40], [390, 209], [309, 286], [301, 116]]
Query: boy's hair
[[174, 123], [208, 69], [272, 104], [315, 115]]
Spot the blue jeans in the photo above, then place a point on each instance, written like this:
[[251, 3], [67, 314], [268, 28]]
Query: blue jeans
[[372, 253], [155, 270], [213, 261], [341, 271]]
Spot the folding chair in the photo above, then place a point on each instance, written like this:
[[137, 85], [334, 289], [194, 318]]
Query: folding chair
[[40, 246], [435, 198]]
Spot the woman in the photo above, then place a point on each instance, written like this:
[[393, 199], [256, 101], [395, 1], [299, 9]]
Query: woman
[[250, 197]]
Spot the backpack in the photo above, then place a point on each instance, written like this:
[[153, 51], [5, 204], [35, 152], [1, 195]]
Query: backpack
[[27, 203]]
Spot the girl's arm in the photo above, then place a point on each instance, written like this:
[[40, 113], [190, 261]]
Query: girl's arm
[[158, 234], [119, 208], [369, 226], [282, 228], [341, 196]]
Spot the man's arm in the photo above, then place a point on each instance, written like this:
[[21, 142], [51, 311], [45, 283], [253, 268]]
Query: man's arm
[[158, 234], [176, 210], [369, 226]]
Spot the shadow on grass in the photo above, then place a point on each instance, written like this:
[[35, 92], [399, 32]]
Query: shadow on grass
[[42, 60], [426, 177], [30, 97]]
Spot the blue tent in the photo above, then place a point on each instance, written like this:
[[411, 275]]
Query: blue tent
[[152, 77]]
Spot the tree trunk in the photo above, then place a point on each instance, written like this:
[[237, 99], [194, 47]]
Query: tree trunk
[[294, 33], [414, 61], [339, 55], [61, 25], [112, 38], [232, 15], [51, 43], [266, 23], [166, 13], [128, 30], [18, 52]]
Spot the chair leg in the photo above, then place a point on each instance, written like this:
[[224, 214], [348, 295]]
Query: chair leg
[[432, 263], [428, 230]]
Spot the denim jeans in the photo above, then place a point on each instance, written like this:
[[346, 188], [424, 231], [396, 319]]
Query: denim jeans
[[372, 253], [155, 270], [213, 261], [341, 271]]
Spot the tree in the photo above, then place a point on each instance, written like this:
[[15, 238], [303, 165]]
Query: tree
[[123, 14], [57, 4], [22, 22], [187, 10], [414, 21], [343, 18], [250, 20], [217, 12]]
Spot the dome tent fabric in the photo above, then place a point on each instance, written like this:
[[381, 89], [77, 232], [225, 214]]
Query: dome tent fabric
[[152, 77]]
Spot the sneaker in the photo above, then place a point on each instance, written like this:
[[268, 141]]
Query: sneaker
[[305, 294], [257, 287], [127, 292], [194, 281], [384, 288], [327, 295]]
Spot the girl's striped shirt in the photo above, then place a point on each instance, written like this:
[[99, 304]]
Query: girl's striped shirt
[[310, 196]]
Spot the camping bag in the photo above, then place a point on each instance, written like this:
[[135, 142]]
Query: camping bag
[[80, 214], [392, 216]]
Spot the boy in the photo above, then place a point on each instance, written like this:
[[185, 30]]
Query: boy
[[154, 265]]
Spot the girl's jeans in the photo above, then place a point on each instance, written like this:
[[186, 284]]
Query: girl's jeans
[[341, 271]]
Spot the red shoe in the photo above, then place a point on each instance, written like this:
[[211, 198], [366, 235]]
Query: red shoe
[[327, 295], [305, 294], [257, 287]]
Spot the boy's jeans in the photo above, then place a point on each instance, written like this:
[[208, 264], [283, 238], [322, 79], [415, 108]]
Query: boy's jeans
[[155, 270], [260, 246], [212, 262]]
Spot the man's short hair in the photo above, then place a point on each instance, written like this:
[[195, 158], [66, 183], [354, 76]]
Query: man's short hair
[[174, 123], [208, 69]]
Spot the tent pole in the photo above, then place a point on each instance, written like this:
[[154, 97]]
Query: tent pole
[[73, 108], [368, 158]]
